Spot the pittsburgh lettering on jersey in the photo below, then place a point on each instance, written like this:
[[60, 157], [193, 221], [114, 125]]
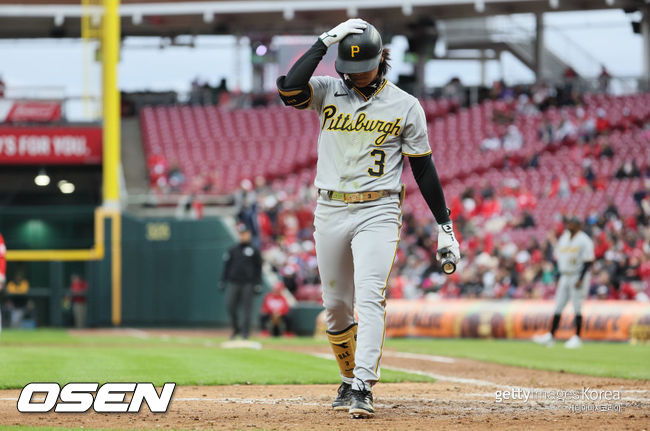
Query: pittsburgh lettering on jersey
[[345, 123]]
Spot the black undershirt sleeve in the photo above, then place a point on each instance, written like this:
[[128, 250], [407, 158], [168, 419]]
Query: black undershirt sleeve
[[585, 268], [425, 174], [299, 74]]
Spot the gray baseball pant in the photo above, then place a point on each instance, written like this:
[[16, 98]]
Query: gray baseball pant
[[355, 248]]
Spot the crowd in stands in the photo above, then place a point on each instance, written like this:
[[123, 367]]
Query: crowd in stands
[[493, 265], [497, 263], [552, 152]]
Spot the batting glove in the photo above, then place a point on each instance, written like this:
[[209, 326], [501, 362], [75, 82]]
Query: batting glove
[[354, 25], [447, 241]]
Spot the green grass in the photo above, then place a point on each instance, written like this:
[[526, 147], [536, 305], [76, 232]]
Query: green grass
[[61, 337], [55, 355], [594, 358], [30, 356]]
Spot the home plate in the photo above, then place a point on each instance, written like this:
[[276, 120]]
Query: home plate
[[241, 344]]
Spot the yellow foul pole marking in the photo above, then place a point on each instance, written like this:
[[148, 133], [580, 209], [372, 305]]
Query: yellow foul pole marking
[[111, 102], [111, 105], [116, 269]]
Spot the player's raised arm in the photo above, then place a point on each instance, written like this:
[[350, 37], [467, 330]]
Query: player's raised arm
[[294, 88]]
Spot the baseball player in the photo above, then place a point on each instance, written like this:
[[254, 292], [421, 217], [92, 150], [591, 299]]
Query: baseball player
[[574, 253], [367, 126]]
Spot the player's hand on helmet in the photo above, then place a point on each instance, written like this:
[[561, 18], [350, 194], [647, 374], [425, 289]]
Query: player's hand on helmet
[[447, 241], [335, 35]]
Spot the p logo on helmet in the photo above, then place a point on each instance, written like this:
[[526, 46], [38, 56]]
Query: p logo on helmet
[[354, 49]]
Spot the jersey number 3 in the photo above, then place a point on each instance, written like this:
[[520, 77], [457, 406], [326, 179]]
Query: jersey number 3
[[380, 158]]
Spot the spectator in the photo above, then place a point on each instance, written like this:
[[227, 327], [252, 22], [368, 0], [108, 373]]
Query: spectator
[[567, 132], [3, 88], [195, 92], [569, 91], [606, 149], [246, 201], [242, 276], [275, 310], [455, 91], [588, 173], [513, 140], [587, 126], [19, 304], [543, 95], [158, 172], [176, 178], [526, 220], [492, 142], [546, 132], [525, 106], [602, 123], [611, 212], [628, 169], [78, 292], [190, 207], [604, 80]]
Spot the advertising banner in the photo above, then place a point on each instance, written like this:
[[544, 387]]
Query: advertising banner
[[30, 111], [517, 319], [50, 145]]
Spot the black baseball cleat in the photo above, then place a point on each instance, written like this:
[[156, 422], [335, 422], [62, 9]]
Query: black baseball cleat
[[344, 397], [361, 406]]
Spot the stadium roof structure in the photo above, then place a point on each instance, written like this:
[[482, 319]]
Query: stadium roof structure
[[262, 19]]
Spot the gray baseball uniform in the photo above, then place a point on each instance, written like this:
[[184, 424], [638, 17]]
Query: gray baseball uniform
[[571, 253], [360, 149], [367, 125], [361, 143]]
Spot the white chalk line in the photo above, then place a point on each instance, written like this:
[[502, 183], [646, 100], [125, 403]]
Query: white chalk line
[[433, 358], [467, 381], [137, 333], [441, 377]]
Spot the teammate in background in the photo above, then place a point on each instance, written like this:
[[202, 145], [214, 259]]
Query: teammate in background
[[574, 253], [368, 125], [242, 275], [3, 272]]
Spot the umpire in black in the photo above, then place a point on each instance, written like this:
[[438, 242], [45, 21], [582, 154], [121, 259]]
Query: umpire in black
[[242, 275]]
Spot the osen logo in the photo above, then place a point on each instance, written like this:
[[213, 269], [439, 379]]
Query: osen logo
[[80, 397], [354, 49]]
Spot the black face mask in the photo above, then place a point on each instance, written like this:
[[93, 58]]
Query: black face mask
[[368, 90], [348, 82]]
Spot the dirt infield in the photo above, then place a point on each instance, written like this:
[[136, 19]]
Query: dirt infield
[[463, 397]]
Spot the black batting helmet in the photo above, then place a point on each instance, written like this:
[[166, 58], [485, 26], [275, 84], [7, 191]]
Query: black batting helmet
[[360, 52]]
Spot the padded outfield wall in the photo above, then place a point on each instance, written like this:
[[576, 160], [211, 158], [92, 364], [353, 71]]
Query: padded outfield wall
[[170, 272], [515, 319]]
